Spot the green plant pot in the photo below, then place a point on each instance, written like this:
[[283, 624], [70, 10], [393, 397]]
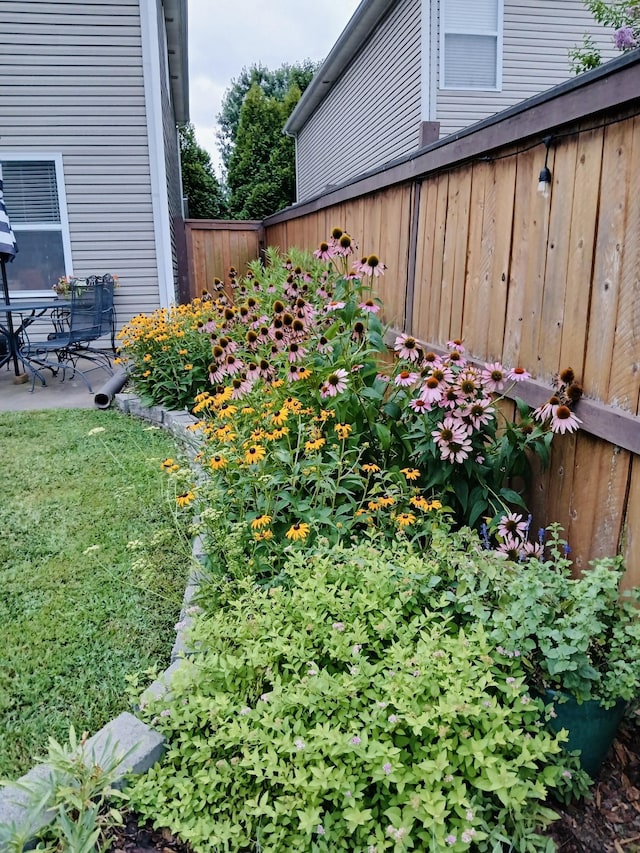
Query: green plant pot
[[591, 727]]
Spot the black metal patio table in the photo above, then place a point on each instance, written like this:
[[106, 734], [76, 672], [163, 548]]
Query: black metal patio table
[[28, 311]]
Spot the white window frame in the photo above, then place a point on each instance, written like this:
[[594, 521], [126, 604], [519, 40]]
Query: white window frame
[[62, 227], [498, 34]]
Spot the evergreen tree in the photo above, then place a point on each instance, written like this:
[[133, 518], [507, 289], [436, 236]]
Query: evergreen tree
[[205, 196]]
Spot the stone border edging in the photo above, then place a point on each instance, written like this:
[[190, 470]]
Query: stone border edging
[[126, 732]]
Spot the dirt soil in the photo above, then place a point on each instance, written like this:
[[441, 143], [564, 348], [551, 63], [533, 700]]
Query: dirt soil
[[607, 822]]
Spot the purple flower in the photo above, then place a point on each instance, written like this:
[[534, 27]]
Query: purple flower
[[392, 718], [320, 829], [299, 743], [387, 768], [355, 740], [165, 713], [338, 626], [624, 39]]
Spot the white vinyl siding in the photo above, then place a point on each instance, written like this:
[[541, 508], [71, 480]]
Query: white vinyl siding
[[71, 81], [537, 35], [470, 48], [372, 114]]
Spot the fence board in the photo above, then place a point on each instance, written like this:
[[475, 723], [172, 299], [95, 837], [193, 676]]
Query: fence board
[[553, 296], [500, 237], [606, 274], [582, 233], [477, 275]]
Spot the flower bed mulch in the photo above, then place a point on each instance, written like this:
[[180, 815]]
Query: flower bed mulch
[[609, 822]]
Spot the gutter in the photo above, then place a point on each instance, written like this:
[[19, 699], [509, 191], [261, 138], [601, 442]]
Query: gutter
[[363, 21]]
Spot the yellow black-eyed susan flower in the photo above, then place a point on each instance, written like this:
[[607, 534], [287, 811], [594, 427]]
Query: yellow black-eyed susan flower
[[343, 430], [217, 462], [298, 531], [254, 453], [185, 499], [410, 473], [405, 519], [260, 522]]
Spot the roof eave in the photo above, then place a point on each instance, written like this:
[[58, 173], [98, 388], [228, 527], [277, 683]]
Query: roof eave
[[176, 22], [364, 20]]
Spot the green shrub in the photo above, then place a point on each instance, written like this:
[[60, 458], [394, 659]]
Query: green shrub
[[340, 712]]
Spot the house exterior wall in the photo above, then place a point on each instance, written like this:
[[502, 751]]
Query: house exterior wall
[[71, 83], [537, 37], [372, 114], [368, 118]]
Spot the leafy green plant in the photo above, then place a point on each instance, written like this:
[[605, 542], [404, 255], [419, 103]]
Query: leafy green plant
[[77, 789], [623, 16], [579, 635], [339, 712], [313, 435]]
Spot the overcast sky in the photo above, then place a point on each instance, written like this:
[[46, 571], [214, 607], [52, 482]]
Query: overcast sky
[[224, 37]]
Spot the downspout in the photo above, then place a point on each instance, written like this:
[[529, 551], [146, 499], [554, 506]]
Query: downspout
[[155, 136], [294, 135]]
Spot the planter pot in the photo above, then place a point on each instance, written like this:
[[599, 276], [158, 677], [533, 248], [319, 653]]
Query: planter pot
[[591, 727]]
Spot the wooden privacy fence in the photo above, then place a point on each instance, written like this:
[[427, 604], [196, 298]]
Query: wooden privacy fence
[[214, 246], [475, 252]]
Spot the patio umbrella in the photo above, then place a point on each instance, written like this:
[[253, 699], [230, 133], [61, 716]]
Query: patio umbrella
[[8, 251]]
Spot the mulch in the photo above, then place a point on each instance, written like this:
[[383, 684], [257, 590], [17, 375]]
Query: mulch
[[607, 822]]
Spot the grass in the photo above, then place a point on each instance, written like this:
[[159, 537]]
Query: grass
[[92, 572]]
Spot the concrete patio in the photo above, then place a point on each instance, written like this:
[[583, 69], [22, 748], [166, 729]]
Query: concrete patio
[[70, 393]]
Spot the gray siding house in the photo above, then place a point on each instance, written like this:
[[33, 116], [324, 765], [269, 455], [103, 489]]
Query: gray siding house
[[407, 72], [91, 92]]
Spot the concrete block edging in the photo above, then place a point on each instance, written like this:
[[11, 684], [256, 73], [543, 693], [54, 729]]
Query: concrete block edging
[[141, 744]]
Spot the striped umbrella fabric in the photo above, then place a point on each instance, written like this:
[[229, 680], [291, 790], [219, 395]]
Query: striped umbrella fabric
[[8, 245]]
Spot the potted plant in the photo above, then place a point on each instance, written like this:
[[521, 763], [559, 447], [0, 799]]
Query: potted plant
[[579, 638]]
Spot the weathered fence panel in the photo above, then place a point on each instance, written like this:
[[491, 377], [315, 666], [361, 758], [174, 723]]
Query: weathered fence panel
[[213, 246], [475, 252]]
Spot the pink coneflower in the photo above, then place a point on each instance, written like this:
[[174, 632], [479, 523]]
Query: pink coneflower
[[468, 385], [296, 353], [513, 524], [253, 371], [407, 347], [450, 398], [432, 390], [382, 377], [493, 377], [369, 306], [533, 549], [479, 413], [545, 411], [324, 252], [216, 376], [335, 383], [452, 440], [324, 346], [419, 405], [233, 365], [240, 387], [265, 369], [372, 266], [564, 420], [456, 357], [333, 306], [405, 378], [518, 374], [512, 547]]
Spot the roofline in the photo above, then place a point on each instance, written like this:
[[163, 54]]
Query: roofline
[[362, 23], [615, 84], [176, 23]]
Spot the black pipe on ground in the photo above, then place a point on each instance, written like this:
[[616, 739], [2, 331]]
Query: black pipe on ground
[[104, 397]]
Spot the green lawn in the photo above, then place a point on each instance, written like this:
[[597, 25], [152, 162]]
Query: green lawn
[[92, 571]]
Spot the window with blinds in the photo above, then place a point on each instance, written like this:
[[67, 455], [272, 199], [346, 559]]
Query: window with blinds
[[470, 44], [32, 197]]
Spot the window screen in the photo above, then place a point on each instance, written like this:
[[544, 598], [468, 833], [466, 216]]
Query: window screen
[[33, 206], [469, 51]]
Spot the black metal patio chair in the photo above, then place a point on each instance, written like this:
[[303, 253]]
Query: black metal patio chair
[[90, 317]]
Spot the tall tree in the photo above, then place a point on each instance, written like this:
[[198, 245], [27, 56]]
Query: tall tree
[[199, 182], [274, 84], [261, 173]]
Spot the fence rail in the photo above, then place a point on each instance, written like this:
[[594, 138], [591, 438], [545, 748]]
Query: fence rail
[[475, 252]]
